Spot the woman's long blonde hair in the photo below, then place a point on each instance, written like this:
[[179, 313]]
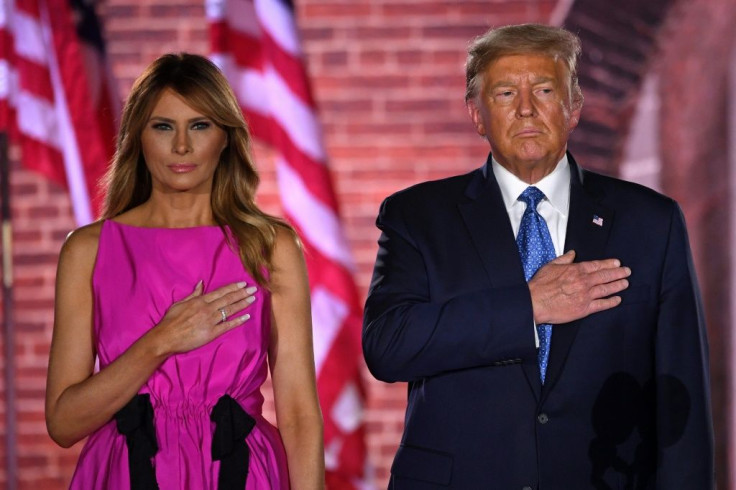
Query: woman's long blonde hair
[[128, 182]]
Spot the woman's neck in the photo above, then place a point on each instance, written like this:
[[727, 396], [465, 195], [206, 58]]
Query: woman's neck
[[172, 211]]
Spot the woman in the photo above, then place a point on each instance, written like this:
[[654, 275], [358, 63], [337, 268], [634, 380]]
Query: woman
[[184, 292]]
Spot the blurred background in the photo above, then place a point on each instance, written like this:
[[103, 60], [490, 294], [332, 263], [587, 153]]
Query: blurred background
[[387, 80]]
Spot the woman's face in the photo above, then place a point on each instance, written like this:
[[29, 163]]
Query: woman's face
[[181, 146]]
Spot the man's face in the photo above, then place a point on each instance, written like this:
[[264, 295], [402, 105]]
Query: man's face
[[525, 112]]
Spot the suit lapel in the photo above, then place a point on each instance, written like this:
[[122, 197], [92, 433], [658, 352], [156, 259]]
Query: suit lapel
[[490, 229], [488, 224], [588, 228]]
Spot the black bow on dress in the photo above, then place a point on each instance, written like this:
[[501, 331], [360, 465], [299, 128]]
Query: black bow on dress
[[135, 422], [232, 425]]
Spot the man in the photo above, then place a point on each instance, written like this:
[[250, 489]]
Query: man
[[588, 372]]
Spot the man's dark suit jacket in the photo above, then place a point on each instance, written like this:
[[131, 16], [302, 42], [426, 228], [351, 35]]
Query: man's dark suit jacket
[[626, 402]]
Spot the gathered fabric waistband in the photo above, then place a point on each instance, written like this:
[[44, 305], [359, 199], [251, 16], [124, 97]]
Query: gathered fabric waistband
[[188, 409], [232, 426]]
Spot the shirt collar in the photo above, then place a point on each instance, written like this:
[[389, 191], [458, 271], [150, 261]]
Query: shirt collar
[[556, 185]]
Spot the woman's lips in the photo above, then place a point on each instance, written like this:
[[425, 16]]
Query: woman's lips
[[182, 168]]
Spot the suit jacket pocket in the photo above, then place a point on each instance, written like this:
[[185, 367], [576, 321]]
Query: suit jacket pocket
[[427, 465]]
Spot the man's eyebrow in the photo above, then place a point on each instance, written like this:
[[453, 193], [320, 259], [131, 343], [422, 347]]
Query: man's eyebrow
[[543, 80], [509, 83], [502, 83]]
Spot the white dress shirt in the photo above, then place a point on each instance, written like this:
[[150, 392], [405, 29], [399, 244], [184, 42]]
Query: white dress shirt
[[554, 208]]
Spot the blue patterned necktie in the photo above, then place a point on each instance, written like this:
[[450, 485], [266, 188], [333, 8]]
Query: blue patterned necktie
[[536, 249]]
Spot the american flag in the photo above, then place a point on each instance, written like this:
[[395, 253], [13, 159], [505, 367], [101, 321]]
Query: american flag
[[57, 98], [256, 44]]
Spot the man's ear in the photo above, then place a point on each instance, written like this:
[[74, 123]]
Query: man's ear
[[474, 113], [575, 116]]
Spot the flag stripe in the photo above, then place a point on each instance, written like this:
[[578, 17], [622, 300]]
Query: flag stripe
[[290, 69], [27, 27], [290, 112], [278, 20], [239, 15], [36, 80], [5, 75], [37, 120], [328, 312], [329, 274], [253, 53], [323, 231], [311, 171]]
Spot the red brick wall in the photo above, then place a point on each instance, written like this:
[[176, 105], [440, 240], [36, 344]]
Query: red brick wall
[[41, 218], [387, 75]]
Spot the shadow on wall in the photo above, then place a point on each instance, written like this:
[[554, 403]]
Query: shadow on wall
[[622, 411]]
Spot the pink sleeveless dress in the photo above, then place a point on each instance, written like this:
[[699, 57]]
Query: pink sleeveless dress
[[138, 274]]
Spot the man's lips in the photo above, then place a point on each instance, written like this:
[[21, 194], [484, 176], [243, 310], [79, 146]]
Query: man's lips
[[181, 168], [528, 132]]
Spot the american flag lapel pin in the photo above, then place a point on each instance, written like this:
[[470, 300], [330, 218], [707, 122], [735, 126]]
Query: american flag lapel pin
[[597, 220]]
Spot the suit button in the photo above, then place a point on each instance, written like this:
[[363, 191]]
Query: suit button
[[542, 418]]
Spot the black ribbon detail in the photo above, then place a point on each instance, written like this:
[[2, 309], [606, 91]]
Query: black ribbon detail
[[135, 422], [232, 425]]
